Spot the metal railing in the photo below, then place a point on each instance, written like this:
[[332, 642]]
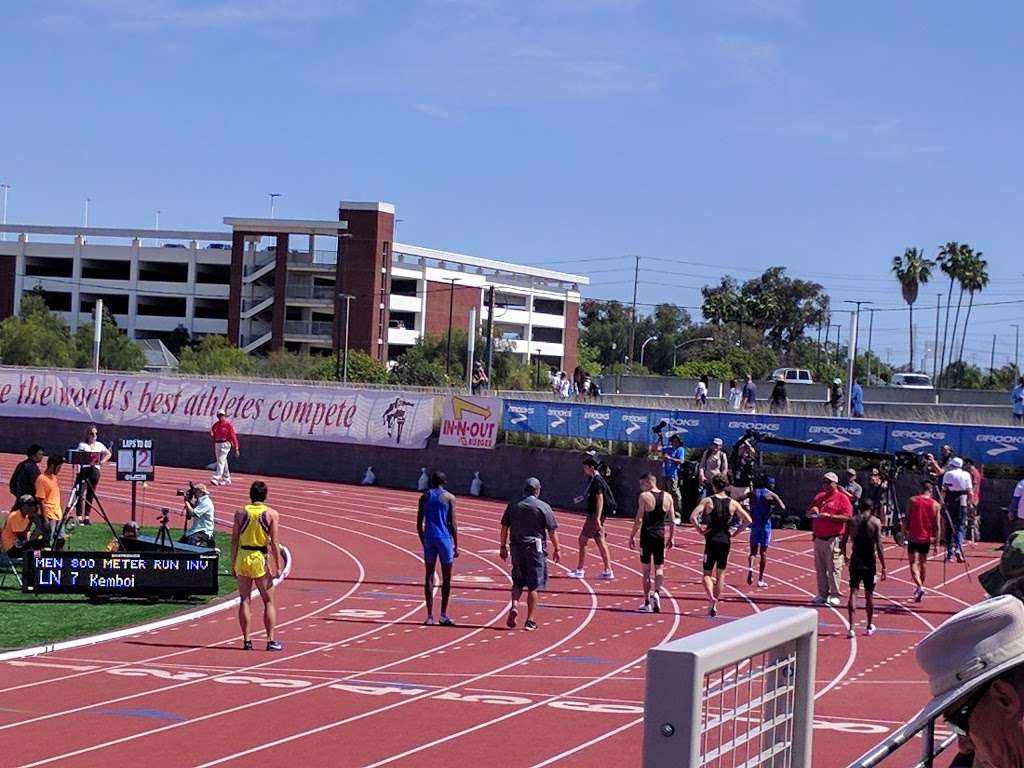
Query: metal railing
[[901, 736], [308, 328], [310, 292], [738, 694], [319, 257]]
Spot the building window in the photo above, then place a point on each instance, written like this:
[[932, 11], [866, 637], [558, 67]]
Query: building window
[[213, 274], [549, 335], [403, 286], [57, 301], [163, 271], [509, 301], [549, 306], [40, 267], [405, 321], [116, 304], [213, 309], [102, 269], [161, 306]]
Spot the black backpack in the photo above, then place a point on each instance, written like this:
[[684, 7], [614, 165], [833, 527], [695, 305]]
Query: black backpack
[[16, 479], [610, 505]]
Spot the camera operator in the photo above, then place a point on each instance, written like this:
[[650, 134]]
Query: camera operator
[[198, 509], [90, 473], [17, 535]]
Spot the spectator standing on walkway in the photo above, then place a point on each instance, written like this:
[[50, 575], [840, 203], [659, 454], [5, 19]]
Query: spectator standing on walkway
[[835, 397], [224, 438], [829, 512], [779, 400], [700, 392], [1017, 398], [857, 400], [480, 379], [748, 401], [735, 395]]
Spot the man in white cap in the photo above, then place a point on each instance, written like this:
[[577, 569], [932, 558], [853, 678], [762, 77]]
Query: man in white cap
[[222, 433], [835, 397], [829, 512], [713, 462], [975, 667], [957, 485]]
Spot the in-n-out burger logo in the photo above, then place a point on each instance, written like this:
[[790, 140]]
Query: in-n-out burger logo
[[759, 426]]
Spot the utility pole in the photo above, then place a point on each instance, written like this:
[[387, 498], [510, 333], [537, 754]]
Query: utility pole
[[156, 241], [871, 328], [828, 330], [632, 325], [451, 309], [817, 349], [992, 361], [1016, 347], [341, 370], [471, 348], [489, 341], [935, 352], [839, 330], [5, 187], [854, 328]]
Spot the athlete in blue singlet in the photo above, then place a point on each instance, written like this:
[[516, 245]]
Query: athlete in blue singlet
[[763, 504], [435, 523]]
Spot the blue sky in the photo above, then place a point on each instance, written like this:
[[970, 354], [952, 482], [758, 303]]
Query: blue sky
[[731, 135]]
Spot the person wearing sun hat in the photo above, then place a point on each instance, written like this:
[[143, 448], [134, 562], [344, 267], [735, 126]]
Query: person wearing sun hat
[[974, 662]]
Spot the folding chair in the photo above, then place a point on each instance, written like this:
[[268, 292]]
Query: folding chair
[[9, 566]]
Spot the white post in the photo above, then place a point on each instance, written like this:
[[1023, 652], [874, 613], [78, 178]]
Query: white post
[[471, 347], [97, 335], [156, 241], [4, 187]]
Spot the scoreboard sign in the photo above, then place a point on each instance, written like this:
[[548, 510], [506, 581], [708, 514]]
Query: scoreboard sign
[[128, 574], [135, 460]]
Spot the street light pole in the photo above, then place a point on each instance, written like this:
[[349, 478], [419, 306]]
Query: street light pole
[[854, 327], [273, 198], [686, 344], [341, 371], [1016, 347], [644, 347], [5, 187]]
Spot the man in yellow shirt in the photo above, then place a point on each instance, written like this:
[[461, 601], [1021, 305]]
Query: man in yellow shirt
[[48, 493], [15, 537]]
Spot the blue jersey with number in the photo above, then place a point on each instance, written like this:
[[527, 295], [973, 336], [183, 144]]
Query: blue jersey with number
[[435, 515]]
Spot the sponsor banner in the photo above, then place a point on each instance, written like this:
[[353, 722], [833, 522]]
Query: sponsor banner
[[630, 425], [562, 419], [519, 416], [733, 425], [303, 412], [921, 438], [844, 433], [993, 445], [596, 423], [470, 422]]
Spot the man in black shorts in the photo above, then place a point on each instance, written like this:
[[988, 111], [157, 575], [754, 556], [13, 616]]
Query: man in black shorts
[[600, 503], [716, 518], [654, 510], [866, 531], [529, 521]]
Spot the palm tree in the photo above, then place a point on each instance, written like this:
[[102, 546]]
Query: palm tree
[[913, 270], [950, 259], [975, 279], [964, 262]]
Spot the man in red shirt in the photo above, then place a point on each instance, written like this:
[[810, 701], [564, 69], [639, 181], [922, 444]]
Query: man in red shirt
[[830, 511], [224, 439], [921, 527]]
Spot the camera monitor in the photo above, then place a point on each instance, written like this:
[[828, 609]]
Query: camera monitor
[[83, 458]]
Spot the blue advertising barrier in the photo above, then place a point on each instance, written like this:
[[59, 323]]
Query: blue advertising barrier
[[592, 421]]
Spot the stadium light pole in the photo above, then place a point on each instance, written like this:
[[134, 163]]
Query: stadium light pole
[[340, 369], [273, 197], [97, 335], [1016, 346], [644, 347], [686, 344], [854, 328], [6, 188], [156, 240]]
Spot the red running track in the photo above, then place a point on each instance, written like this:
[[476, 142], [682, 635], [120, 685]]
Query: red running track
[[362, 683]]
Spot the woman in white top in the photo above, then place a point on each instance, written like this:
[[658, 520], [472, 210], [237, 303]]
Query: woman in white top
[[90, 473], [735, 395], [700, 393]]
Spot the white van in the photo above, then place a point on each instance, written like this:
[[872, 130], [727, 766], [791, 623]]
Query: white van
[[793, 375], [912, 380]]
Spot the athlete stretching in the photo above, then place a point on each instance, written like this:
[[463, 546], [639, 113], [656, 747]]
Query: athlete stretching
[[763, 503], [654, 510], [435, 524]]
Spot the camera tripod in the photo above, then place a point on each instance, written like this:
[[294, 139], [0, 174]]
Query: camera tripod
[[163, 538], [83, 489]]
